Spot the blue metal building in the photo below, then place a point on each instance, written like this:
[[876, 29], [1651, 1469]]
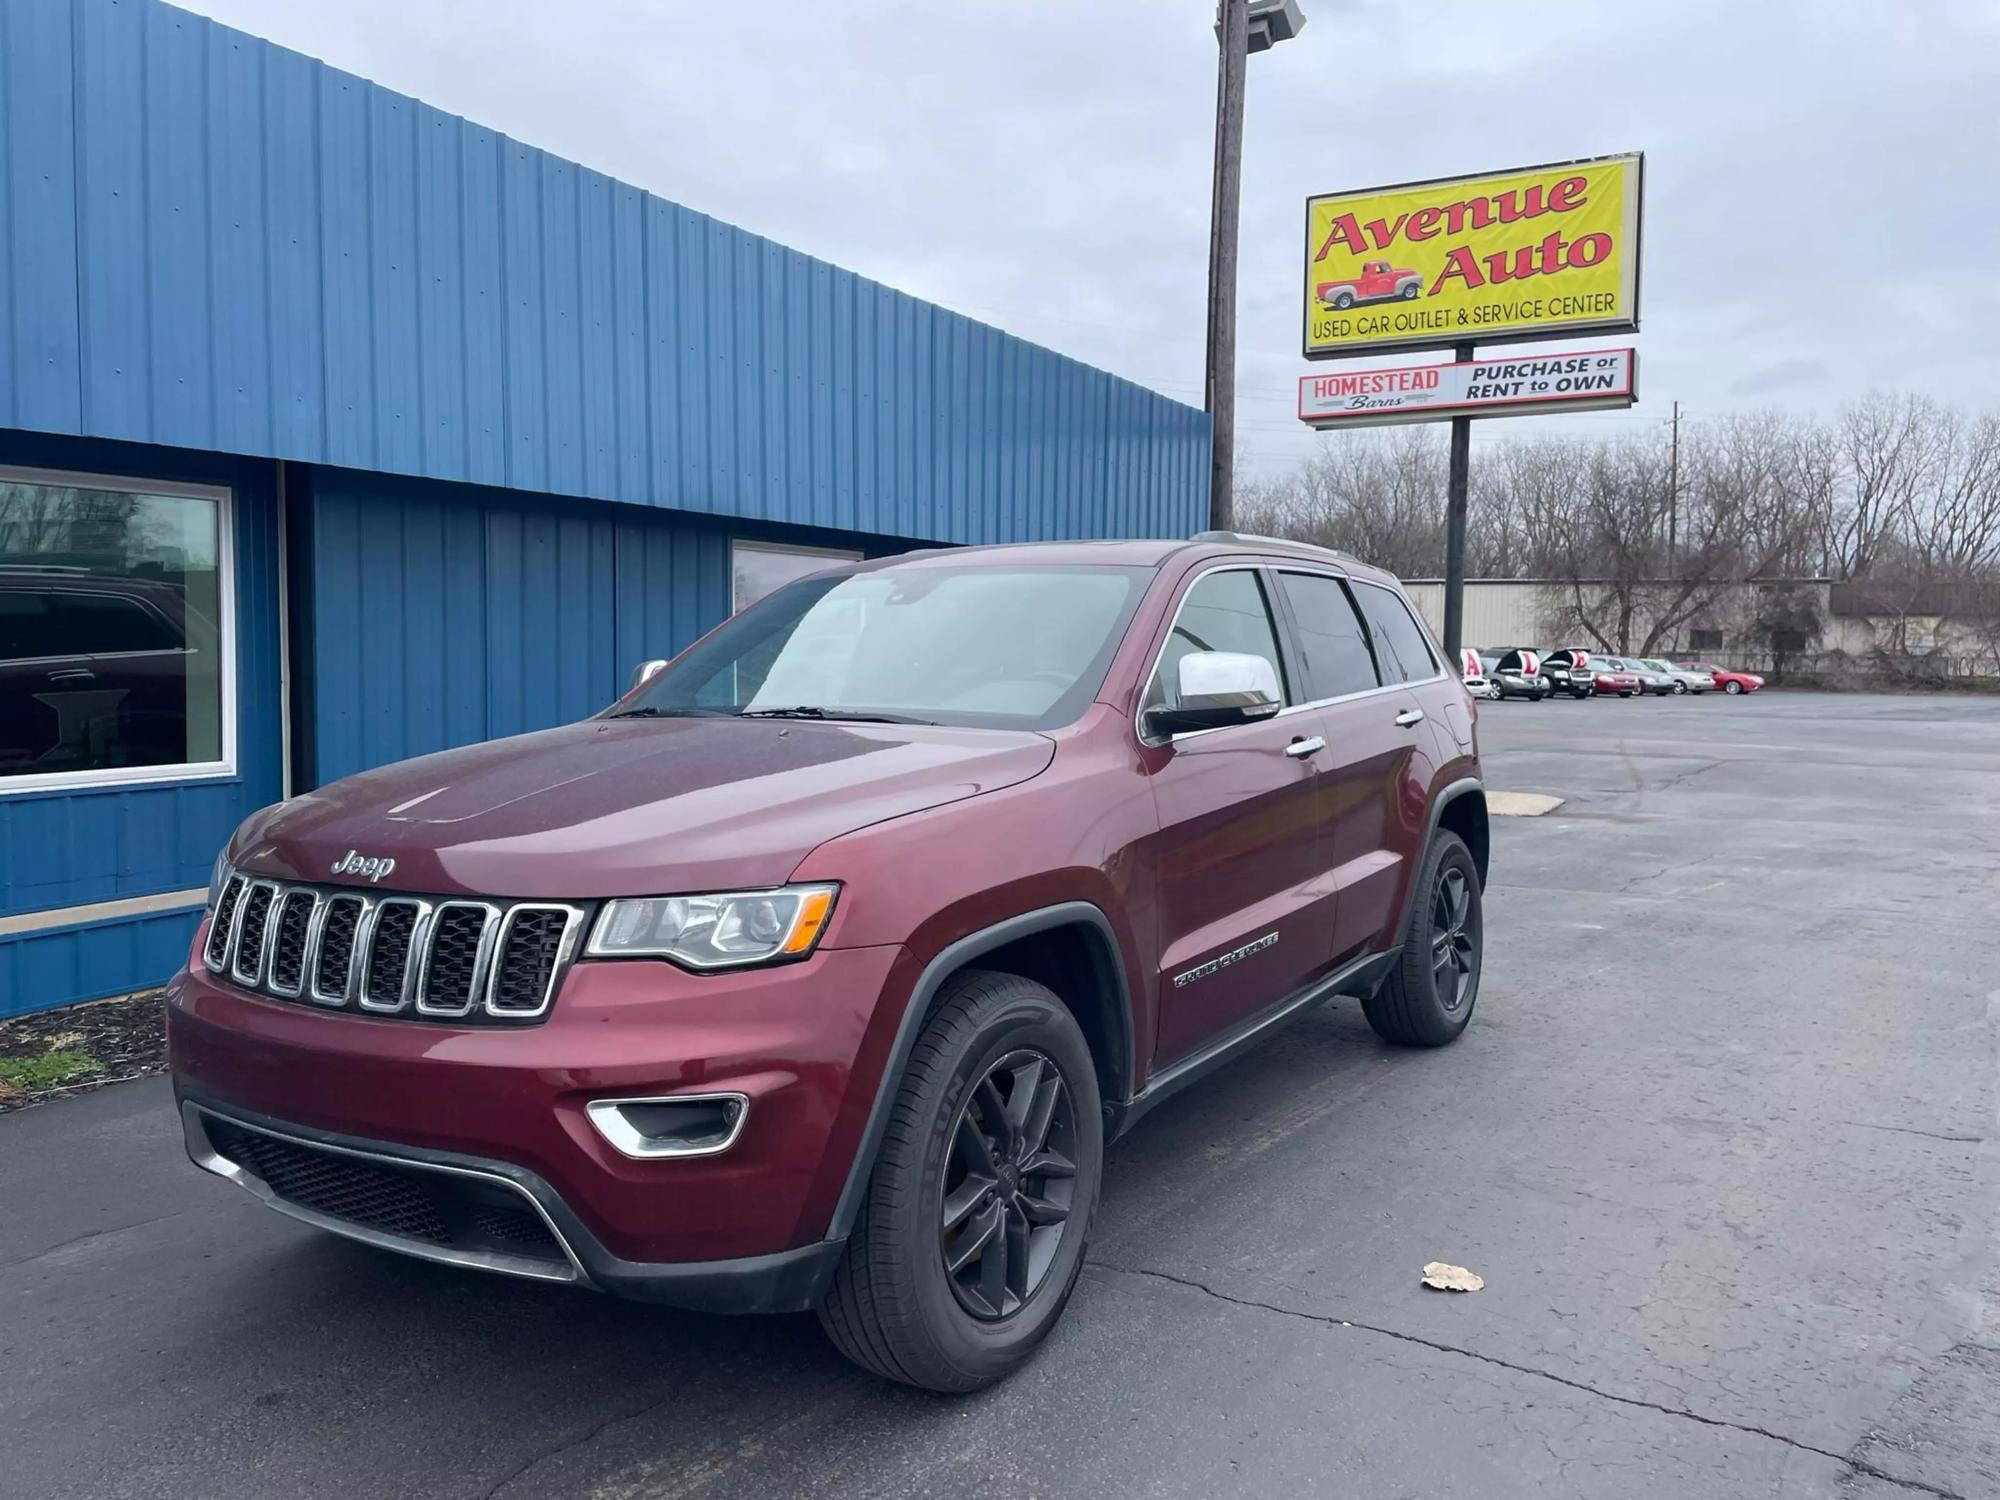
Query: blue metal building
[[335, 429]]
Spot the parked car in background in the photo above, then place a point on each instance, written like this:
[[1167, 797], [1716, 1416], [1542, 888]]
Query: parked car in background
[[1685, 679], [1656, 681], [1731, 682], [1514, 674], [1477, 683], [1568, 671], [748, 997], [1614, 679]]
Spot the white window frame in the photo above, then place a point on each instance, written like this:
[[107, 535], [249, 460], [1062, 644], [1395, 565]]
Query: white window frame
[[830, 555], [225, 564]]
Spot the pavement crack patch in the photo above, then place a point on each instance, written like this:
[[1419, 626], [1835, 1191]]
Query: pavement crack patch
[[1860, 1466], [86, 1237], [556, 1450], [1935, 1135], [1665, 870]]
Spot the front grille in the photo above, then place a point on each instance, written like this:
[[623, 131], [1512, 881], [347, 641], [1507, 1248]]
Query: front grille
[[336, 948], [288, 947], [389, 955], [405, 955], [529, 951], [250, 929], [445, 1210], [456, 957], [224, 927]]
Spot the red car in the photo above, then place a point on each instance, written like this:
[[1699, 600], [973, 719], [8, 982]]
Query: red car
[[818, 970], [1378, 282], [1733, 683], [1615, 680]]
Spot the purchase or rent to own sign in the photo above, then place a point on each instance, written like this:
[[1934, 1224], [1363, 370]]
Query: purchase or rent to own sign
[[1540, 252], [1520, 386]]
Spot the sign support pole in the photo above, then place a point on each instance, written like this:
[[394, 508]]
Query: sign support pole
[[1457, 490], [1233, 40]]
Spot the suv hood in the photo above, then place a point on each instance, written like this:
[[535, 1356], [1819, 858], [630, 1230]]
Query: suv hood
[[617, 807]]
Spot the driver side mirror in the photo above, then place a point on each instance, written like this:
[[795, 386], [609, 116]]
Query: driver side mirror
[[1218, 689], [644, 673]]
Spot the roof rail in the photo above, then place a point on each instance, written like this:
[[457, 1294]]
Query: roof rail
[[1272, 541]]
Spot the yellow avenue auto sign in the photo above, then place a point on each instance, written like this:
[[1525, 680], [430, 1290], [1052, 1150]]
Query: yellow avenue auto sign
[[1539, 252]]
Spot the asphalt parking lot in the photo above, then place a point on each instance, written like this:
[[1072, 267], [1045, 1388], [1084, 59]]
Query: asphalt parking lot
[[1721, 1139]]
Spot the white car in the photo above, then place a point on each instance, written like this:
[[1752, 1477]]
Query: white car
[[1686, 679]]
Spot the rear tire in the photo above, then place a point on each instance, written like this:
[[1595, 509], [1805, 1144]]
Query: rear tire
[[1427, 999], [894, 1307]]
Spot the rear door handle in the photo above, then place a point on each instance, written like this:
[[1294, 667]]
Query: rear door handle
[[1300, 749], [1408, 717]]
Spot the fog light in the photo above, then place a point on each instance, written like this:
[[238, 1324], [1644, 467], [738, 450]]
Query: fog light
[[671, 1125]]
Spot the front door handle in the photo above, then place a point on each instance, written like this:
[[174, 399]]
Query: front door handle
[[1300, 749], [1408, 717]]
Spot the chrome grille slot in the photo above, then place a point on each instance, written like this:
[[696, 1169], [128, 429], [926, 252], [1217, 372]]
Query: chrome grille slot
[[455, 958], [333, 958], [394, 930], [253, 925], [223, 929], [290, 939], [535, 941]]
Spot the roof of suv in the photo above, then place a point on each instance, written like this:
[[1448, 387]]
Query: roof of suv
[[1136, 552]]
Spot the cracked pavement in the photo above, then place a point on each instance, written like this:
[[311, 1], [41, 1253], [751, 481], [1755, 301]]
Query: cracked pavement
[[1722, 1140]]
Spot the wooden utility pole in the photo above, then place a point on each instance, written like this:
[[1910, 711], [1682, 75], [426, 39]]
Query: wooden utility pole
[[1233, 37], [1674, 490]]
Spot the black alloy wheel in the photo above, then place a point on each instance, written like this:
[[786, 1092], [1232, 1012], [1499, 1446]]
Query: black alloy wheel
[[1427, 997], [1008, 1182], [1454, 957]]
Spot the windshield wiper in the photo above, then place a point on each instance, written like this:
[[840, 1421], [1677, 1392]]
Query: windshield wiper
[[648, 711], [821, 711]]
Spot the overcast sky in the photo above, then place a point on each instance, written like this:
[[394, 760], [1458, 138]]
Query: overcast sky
[[1821, 213]]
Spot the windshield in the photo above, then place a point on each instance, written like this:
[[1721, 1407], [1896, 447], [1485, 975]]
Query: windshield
[[1017, 648], [1654, 664]]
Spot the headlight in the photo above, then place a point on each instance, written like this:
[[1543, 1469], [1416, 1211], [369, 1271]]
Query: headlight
[[218, 878], [714, 932]]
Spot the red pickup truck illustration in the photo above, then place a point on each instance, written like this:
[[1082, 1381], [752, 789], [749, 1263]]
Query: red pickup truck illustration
[[1378, 282]]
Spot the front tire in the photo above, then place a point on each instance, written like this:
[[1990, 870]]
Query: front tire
[[1734, 689], [1680, 688], [970, 1240], [1428, 997]]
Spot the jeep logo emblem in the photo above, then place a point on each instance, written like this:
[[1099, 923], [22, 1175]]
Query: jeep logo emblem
[[368, 866]]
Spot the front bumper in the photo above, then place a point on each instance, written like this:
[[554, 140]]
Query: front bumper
[[741, 1229], [544, 1241]]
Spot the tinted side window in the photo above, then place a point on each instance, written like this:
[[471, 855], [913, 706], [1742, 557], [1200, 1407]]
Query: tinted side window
[[1330, 638], [1223, 612], [1400, 646], [101, 623]]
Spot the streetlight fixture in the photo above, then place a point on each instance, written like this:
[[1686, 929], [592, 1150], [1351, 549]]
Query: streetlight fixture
[[1241, 27]]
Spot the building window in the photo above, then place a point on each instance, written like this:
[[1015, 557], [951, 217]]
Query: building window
[[1704, 640], [115, 631], [760, 568]]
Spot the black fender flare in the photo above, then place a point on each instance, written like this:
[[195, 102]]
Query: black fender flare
[[1465, 786], [949, 960]]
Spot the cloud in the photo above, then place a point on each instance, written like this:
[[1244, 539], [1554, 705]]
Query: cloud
[[1817, 213]]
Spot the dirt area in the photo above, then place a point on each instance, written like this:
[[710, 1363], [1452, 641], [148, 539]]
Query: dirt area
[[79, 1047]]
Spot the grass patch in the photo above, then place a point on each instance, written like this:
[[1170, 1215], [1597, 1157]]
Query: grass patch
[[49, 1070]]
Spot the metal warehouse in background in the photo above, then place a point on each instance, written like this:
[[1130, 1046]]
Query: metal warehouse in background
[[335, 429]]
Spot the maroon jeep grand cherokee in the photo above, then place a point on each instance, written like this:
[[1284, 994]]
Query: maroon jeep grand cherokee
[[817, 971]]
